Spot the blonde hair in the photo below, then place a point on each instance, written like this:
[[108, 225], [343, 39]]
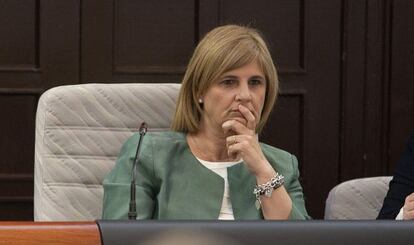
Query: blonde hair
[[223, 49]]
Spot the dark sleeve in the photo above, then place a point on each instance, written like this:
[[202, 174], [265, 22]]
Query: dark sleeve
[[401, 185]]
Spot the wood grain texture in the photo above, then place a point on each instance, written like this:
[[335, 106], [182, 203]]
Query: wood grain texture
[[16, 233]]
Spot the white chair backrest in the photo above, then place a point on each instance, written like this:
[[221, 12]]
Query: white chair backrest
[[79, 132], [357, 198]]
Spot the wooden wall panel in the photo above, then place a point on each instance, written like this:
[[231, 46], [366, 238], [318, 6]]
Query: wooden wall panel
[[283, 26], [17, 151], [125, 41], [20, 208], [363, 86], [286, 126], [20, 44], [41, 50], [17, 133], [401, 88], [159, 45]]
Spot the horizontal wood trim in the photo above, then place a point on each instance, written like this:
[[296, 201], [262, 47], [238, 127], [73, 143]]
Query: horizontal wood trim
[[16, 199], [21, 68], [290, 92], [21, 91], [49, 233], [150, 70], [8, 177], [291, 71]]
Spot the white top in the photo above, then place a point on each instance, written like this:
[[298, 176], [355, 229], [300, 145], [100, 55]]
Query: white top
[[220, 168], [400, 215]]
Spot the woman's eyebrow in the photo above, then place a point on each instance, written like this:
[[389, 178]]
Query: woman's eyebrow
[[257, 77], [229, 76], [236, 77]]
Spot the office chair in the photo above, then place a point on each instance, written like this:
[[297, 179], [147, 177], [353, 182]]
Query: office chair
[[79, 132], [357, 199]]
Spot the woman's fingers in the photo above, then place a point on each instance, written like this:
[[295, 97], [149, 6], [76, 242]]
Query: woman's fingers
[[245, 146], [237, 127], [231, 127], [248, 115], [408, 212]]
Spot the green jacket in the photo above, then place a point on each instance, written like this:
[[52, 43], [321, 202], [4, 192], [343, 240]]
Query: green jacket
[[173, 184]]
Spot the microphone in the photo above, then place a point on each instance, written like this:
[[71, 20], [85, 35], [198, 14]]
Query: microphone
[[132, 214]]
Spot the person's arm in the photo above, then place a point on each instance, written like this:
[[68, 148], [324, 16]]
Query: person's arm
[[117, 183], [295, 193], [401, 185], [245, 144], [279, 204]]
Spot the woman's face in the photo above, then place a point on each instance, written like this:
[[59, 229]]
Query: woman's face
[[245, 86]]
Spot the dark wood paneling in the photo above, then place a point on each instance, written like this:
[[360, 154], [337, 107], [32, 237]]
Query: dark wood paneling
[[42, 48], [363, 119], [16, 209], [16, 145], [16, 185], [17, 150], [401, 78], [322, 91], [286, 126], [20, 44], [138, 45], [283, 26], [145, 43]]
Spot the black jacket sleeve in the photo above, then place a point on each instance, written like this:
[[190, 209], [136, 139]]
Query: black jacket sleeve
[[401, 185]]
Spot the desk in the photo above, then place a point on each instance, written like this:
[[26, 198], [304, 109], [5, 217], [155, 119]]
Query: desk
[[49, 233], [210, 232]]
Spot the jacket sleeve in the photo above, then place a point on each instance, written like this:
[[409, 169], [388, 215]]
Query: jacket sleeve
[[401, 185], [117, 183], [296, 194]]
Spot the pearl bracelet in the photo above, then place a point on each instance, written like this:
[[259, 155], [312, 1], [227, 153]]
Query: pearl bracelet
[[267, 188]]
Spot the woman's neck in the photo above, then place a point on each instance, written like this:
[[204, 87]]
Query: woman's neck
[[209, 146]]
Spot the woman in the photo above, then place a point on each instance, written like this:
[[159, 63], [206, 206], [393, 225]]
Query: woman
[[211, 163]]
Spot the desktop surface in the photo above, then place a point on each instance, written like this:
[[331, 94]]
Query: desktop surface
[[256, 232]]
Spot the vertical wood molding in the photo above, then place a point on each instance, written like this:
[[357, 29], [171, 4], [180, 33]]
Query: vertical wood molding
[[363, 96], [401, 87]]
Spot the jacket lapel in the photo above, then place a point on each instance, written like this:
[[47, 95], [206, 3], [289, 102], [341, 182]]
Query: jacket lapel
[[191, 191], [241, 183]]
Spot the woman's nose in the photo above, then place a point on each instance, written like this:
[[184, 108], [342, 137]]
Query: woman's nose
[[243, 93]]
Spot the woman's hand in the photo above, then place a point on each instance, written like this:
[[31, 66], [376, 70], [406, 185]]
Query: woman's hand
[[408, 209], [245, 144]]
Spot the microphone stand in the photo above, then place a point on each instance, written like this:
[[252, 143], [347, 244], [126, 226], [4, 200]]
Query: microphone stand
[[132, 214]]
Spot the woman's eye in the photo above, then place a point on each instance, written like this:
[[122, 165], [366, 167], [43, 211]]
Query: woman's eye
[[255, 82], [228, 81]]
